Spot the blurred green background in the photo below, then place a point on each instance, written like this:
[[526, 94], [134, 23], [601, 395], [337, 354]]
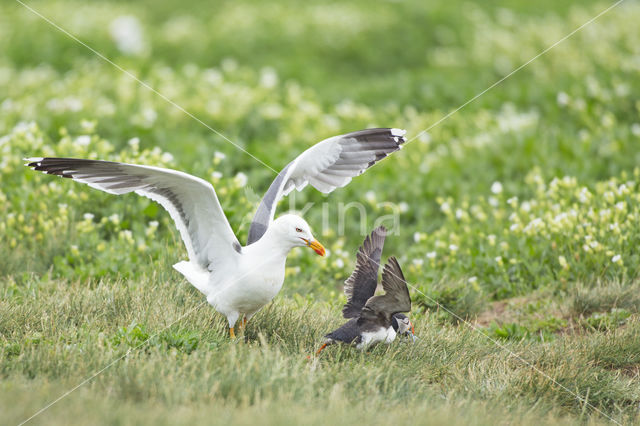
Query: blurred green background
[[277, 77]]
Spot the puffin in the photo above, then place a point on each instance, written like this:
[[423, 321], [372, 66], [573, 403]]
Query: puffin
[[373, 319], [237, 280]]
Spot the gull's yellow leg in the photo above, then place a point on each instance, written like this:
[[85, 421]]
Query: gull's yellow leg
[[243, 323], [232, 333]]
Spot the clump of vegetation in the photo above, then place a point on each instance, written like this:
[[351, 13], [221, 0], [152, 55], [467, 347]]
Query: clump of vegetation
[[458, 301], [608, 320], [540, 330], [606, 296]]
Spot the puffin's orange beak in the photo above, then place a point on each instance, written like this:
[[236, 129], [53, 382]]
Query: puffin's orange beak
[[413, 331], [317, 247]]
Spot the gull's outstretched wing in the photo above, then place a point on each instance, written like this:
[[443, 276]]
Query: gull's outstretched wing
[[191, 201], [327, 165], [396, 299], [361, 284]]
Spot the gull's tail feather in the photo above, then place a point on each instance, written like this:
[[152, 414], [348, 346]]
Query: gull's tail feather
[[197, 276]]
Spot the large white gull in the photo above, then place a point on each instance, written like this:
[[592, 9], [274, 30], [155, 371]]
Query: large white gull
[[236, 280]]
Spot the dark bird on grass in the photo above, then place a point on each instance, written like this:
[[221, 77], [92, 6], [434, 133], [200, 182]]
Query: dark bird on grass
[[236, 280], [373, 319]]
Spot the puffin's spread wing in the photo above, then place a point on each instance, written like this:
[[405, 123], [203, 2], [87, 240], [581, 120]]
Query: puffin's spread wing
[[327, 165], [191, 201], [362, 283], [396, 298]]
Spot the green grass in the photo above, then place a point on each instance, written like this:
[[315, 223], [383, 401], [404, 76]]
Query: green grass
[[519, 214], [72, 330]]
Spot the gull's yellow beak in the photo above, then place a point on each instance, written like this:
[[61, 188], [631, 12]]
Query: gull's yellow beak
[[317, 247]]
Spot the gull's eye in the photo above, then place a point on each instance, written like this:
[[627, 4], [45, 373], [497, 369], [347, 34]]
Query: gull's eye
[[298, 230]]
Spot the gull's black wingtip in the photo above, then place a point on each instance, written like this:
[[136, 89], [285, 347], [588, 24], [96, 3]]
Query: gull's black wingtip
[[398, 135], [32, 161]]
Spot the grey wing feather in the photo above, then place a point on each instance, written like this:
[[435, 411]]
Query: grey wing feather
[[191, 201], [362, 283], [396, 298], [327, 165], [263, 215], [347, 333]]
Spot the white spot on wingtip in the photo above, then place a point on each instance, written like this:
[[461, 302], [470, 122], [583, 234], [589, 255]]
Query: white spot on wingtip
[[398, 132], [32, 160]]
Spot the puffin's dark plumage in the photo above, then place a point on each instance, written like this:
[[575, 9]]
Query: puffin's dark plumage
[[372, 318], [362, 282]]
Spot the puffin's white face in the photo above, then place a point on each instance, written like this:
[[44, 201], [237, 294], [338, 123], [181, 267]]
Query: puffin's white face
[[297, 232], [404, 326]]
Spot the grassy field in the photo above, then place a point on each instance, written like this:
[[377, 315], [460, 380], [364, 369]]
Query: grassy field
[[520, 213]]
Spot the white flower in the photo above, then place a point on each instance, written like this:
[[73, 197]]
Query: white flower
[[404, 207], [219, 155], [167, 157], [617, 259], [418, 262], [498, 260], [472, 280], [424, 137], [216, 175], [584, 195], [431, 255], [88, 216], [114, 218], [151, 229], [126, 32], [83, 140], [609, 197], [493, 201], [496, 187], [622, 189], [417, 237], [339, 263], [268, 78], [453, 247], [563, 262], [615, 228], [149, 116], [134, 143], [562, 99], [229, 65], [240, 179], [370, 196], [126, 235]]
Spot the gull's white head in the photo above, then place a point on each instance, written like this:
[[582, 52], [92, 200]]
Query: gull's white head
[[297, 232]]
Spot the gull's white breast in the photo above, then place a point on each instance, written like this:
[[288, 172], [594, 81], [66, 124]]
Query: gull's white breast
[[248, 287]]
